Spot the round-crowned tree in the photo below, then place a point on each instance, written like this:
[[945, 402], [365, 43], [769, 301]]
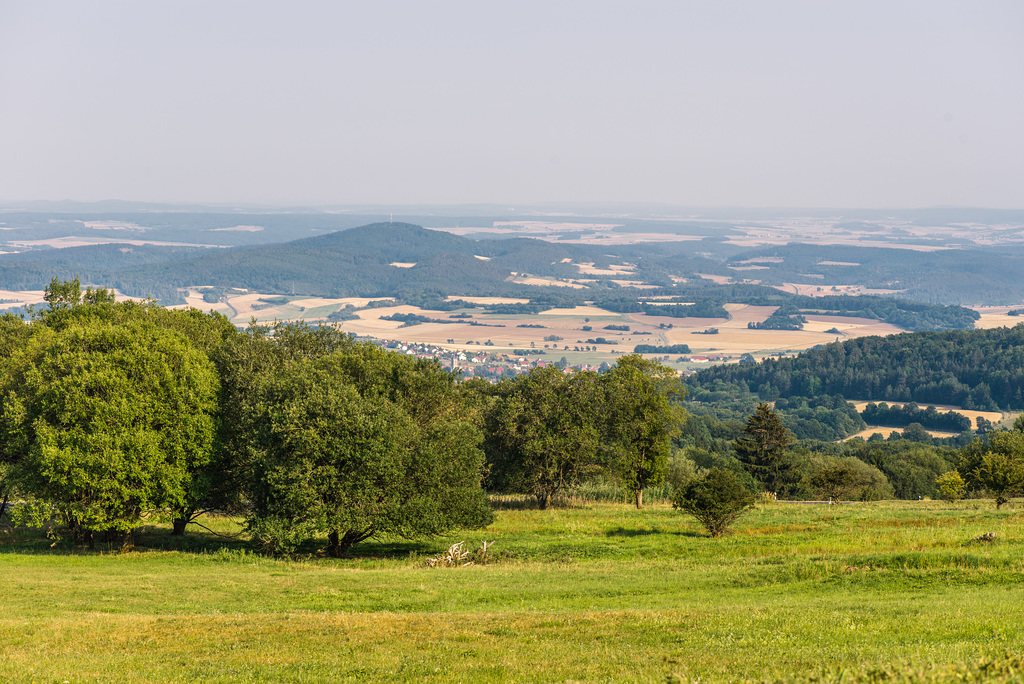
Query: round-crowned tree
[[360, 443], [715, 500], [103, 422]]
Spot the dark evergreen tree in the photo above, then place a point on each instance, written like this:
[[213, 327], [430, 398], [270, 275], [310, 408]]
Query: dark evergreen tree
[[763, 451]]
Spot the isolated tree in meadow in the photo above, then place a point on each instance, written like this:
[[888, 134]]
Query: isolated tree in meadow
[[640, 421], [544, 432], [763, 449], [950, 486], [103, 423], [715, 500], [997, 467]]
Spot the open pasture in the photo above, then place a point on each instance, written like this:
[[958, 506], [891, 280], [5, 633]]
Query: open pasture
[[591, 592]]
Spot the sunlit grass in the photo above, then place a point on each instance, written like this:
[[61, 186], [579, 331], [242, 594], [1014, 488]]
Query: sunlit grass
[[583, 593]]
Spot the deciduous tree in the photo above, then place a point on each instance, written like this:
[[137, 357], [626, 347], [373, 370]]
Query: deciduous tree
[[640, 420], [361, 443], [544, 431], [106, 422]]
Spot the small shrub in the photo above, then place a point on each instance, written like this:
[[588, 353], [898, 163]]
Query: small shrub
[[715, 500], [951, 486]]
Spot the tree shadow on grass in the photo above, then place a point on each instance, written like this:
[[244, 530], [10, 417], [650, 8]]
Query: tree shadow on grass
[[157, 538], [624, 532]]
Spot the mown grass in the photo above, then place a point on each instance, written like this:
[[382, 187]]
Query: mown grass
[[597, 592]]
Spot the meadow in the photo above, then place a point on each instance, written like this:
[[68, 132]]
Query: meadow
[[902, 591]]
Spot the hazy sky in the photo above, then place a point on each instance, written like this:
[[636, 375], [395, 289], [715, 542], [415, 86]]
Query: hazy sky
[[841, 104]]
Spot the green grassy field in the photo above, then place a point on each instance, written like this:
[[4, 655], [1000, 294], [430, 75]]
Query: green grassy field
[[602, 592]]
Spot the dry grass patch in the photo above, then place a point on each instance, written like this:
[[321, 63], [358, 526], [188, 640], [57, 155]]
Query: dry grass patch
[[887, 432], [993, 416]]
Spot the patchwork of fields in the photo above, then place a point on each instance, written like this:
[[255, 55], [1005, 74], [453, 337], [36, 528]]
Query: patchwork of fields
[[506, 332]]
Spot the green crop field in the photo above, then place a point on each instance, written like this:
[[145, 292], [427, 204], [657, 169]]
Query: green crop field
[[903, 591]]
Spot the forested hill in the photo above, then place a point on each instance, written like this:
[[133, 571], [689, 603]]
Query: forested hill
[[416, 264], [975, 369]]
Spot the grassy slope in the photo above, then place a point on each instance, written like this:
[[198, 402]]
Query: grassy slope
[[595, 593]]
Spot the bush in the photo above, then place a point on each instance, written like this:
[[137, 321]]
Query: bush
[[715, 500], [951, 486]]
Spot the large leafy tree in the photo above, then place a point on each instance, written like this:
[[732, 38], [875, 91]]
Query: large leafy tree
[[641, 420], [104, 422], [208, 484], [763, 450], [360, 443], [997, 467], [544, 432], [246, 362]]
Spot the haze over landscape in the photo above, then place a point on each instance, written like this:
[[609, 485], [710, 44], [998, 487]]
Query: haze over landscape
[[460, 341], [781, 104]]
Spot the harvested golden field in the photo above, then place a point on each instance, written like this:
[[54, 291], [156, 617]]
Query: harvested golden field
[[997, 316], [993, 416], [490, 300], [887, 431], [613, 269], [734, 337], [545, 281], [817, 290], [24, 297]]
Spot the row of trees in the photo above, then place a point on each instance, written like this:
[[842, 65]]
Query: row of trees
[[992, 465], [112, 412], [546, 431]]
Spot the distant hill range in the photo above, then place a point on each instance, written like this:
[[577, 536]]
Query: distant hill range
[[410, 262]]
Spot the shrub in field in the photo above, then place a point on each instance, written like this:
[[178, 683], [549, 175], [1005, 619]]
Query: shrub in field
[[997, 467], [715, 500], [951, 486]]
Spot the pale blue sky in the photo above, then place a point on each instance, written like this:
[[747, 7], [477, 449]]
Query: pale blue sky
[[844, 104]]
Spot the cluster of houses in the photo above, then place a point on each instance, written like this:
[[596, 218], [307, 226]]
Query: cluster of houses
[[478, 364]]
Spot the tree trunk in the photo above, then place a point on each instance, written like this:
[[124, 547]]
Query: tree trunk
[[81, 536], [338, 544], [639, 494], [543, 500], [178, 527], [334, 545]]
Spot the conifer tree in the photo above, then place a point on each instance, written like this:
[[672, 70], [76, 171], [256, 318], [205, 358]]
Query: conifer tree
[[763, 450]]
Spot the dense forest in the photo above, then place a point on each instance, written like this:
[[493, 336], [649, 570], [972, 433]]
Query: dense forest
[[975, 369]]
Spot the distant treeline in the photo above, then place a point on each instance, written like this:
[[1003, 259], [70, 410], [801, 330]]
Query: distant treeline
[[902, 416], [661, 349], [976, 369], [409, 319]]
